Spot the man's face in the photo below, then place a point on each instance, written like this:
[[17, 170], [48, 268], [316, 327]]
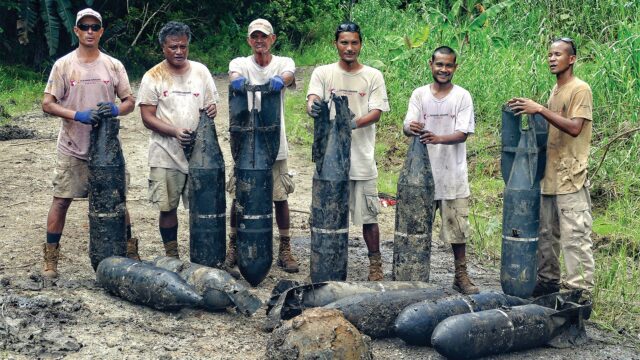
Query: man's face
[[559, 57], [261, 43], [443, 66], [88, 37], [348, 45], [176, 50]]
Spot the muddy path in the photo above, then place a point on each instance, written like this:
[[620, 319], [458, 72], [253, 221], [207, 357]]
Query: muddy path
[[73, 318]]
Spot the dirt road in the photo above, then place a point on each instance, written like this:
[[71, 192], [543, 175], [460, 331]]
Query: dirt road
[[73, 318]]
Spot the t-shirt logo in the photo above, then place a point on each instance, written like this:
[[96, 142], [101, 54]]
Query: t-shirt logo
[[165, 93], [332, 91], [362, 94], [106, 82], [196, 94], [73, 82]]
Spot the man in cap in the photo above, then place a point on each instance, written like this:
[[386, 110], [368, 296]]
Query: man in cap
[[82, 85], [170, 98], [259, 68], [365, 88]]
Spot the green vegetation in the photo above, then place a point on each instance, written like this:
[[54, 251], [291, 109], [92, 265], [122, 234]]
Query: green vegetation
[[502, 49]]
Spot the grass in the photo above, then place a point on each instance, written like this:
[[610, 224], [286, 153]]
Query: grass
[[506, 57]]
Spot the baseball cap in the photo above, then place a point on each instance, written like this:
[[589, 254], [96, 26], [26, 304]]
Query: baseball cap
[[261, 25], [88, 12]]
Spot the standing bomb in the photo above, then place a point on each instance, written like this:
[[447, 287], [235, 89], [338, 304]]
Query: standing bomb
[[416, 322], [289, 298], [555, 320], [374, 314], [207, 204], [255, 139], [330, 192], [145, 284], [107, 192], [218, 289], [414, 216], [522, 164]]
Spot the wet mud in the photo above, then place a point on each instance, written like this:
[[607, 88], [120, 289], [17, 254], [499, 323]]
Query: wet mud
[[11, 132]]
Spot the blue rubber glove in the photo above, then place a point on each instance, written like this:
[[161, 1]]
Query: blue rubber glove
[[108, 109], [276, 83], [237, 84], [316, 108], [88, 117]]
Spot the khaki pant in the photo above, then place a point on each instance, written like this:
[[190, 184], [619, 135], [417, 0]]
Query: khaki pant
[[282, 182], [565, 223], [166, 187], [71, 177], [364, 204], [455, 220]]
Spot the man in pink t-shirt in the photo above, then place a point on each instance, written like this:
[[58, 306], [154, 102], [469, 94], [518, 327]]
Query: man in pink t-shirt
[[82, 86]]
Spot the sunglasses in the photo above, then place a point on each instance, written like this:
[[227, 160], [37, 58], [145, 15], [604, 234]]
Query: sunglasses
[[568, 41], [86, 27], [349, 27]]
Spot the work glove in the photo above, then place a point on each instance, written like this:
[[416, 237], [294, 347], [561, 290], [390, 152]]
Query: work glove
[[87, 117], [276, 83], [238, 83], [316, 108], [108, 109]]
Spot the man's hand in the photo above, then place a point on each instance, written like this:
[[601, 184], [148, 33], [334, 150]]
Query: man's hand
[[416, 127], [276, 83], [427, 137], [87, 117], [108, 109], [184, 136], [316, 108], [524, 106], [238, 84], [211, 110]]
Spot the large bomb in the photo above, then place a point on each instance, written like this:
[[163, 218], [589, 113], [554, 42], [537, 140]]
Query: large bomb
[[207, 196], [145, 284], [330, 192], [107, 193], [414, 216], [522, 164], [255, 139]]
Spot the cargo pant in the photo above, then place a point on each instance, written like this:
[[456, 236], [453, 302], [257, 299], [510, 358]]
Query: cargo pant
[[565, 223]]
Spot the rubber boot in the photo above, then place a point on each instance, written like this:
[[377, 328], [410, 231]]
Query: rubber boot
[[132, 249], [375, 267], [230, 259], [545, 288], [461, 282], [171, 249], [285, 260], [51, 256]]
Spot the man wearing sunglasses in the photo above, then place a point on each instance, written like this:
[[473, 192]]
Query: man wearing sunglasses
[[82, 85], [170, 98], [278, 71], [565, 208], [365, 88]]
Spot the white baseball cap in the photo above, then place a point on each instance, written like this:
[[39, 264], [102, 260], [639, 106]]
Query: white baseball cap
[[261, 25], [88, 12]]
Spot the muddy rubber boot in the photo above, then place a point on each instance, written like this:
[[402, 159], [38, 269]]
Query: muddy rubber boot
[[51, 256], [132, 249], [544, 288], [285, 260], [171, 249], [461, 282], [375, 267], [230, 259]]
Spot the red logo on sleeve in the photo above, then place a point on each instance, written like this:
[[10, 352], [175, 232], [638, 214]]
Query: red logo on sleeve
[[73, 82], [196, 94], [106, 82], [165, 93], [362, 93]]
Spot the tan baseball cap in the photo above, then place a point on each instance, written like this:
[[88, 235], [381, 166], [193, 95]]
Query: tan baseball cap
[[88, 12], [261, 25]]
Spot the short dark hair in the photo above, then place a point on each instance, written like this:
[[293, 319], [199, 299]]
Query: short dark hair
[[444, 50], [348, 26], [569, 41], [174, 28]]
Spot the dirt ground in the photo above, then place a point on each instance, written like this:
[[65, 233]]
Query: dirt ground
[[74, 318]]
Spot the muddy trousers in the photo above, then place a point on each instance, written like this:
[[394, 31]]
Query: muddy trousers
[[565, 224]]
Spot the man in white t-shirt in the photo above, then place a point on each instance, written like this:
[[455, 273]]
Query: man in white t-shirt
[[365, 88], [260, 68], [82, 85], [441, 113], [170, 98]]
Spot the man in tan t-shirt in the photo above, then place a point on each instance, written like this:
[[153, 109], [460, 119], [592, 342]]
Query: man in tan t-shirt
[[82, 85], [565, 208], [365, 88]]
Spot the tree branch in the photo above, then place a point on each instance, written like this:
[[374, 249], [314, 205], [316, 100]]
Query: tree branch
[[606, 148]]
